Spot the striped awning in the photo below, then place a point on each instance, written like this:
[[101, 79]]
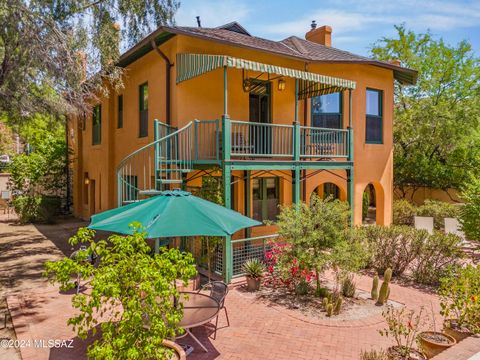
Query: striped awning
[[191, 65]]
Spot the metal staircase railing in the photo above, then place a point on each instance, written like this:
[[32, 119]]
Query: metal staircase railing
[[149, 169]]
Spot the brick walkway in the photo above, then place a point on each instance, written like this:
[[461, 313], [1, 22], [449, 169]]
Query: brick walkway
[[258, 330]]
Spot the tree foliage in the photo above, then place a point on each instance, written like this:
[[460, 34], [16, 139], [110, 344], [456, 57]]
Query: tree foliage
[[49, 48], [132, 297], [318, 236], [436, 123], [39, 175], [470, 213]]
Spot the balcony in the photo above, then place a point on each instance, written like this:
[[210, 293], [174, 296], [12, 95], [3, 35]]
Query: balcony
[[250, 141]]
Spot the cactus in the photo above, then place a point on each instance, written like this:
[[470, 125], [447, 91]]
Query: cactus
[[329, 310], [338, 305], [325, 303], [374, 292], [385, 289], [387, 275]]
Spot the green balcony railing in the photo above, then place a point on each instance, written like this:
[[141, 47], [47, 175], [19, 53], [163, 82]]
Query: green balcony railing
[[323, 142], [251, 139]]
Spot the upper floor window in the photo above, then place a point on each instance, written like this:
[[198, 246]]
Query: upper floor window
[[327, 111], [265, 198], [143, 105], [374, 117], [120, 111], [97, 125]]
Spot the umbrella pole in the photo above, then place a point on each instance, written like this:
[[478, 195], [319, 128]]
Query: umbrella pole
[[157, 245]]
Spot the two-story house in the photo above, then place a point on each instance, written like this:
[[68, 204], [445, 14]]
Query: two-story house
[[276, 120]]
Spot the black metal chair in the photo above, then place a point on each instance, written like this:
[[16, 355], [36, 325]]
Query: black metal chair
[[218, 291]]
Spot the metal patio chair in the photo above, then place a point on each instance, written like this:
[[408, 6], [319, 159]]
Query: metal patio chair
[[218, 291]]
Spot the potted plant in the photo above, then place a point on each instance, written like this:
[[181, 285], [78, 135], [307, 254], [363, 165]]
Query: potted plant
[[254, 270], [460, 301], [434, 342], [403, 326], [178, 352]]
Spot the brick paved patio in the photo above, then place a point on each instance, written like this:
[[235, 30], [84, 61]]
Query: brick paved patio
[[258, 330]]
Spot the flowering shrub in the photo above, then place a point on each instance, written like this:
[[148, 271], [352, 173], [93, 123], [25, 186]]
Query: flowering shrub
[[285, 269]]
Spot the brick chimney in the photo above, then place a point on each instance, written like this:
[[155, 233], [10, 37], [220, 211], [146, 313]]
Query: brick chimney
[[322, 35], [395, 62]]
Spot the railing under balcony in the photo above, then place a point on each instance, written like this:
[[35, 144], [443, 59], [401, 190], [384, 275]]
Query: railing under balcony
[[323, 142]]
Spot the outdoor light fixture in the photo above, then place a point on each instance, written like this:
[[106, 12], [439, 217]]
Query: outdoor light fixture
[[87, 180], [281, 84], [247, 85]]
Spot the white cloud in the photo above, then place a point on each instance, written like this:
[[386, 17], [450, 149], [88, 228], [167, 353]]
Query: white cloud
[[212, 12], [353, 16]]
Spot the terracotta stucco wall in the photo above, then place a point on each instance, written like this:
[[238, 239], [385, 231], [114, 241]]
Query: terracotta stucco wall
[[202, 98]]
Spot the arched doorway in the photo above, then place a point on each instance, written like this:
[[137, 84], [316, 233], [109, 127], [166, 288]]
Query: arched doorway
[[328, 189], [369, 205]]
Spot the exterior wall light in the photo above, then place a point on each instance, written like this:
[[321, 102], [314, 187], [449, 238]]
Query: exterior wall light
[[281, 84], [87, 181], [247, 85]]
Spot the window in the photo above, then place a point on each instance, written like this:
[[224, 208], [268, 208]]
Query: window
[[97, 125], [327, 111], [143, 104], [374, 121], [265, 198], [120, 111]]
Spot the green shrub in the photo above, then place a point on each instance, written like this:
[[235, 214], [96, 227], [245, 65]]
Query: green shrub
[[460, 296], [403, 212], [374, 355], [439, 210], [393, 247], [365, 205], [438, 252], [470, 213], [348, 286], [36, 208]]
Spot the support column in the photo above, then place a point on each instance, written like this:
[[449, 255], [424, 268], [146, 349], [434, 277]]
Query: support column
[[296, 151], [228, 259], [351, 194], [248, 189]]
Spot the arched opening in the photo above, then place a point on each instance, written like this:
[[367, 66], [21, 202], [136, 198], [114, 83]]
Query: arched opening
[[328, 189], [369, 205]]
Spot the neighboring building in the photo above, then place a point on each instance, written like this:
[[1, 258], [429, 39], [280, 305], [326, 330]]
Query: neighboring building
[[335, 139]]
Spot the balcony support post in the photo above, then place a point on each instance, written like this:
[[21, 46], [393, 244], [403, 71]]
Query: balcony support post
[[351, 194], [248, 200], [227, 260], [296, 152], [350, 127]]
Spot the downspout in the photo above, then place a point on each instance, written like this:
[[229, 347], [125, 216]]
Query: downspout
[[168, 66]]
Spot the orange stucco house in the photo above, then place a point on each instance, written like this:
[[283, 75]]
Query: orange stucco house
[[277, 120]]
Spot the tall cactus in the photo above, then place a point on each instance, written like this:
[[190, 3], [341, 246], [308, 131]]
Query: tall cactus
[[338, 306], [325, 303], [374, 292], [329, 310], [385, 288]]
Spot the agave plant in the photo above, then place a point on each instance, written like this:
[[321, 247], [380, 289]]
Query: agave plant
[[254, 268]]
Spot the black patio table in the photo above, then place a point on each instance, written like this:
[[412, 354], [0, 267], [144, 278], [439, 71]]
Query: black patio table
[[198, 309]]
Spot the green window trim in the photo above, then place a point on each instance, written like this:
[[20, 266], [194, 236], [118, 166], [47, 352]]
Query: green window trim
[[143, 110], [372, 118], [97, 125], [120, 111]]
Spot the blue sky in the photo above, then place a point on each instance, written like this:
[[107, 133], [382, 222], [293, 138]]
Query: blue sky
[[356, 23]]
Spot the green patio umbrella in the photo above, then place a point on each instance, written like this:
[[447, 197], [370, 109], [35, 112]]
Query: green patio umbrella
[[173, 213]]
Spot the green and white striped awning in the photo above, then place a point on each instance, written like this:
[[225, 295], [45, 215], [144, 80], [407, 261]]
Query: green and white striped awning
[[191, 65]]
